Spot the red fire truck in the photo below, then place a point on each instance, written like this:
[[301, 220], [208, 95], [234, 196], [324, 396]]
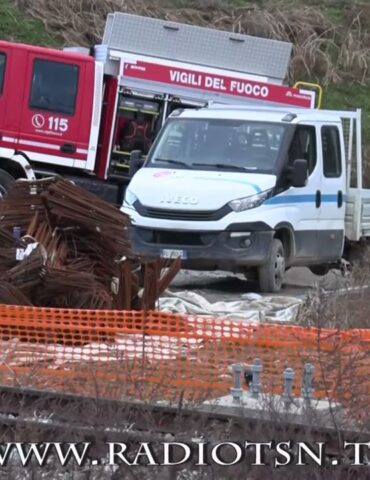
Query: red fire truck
[[80, 112]]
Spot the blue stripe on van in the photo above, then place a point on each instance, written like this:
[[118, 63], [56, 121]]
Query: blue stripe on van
[[303, 199]]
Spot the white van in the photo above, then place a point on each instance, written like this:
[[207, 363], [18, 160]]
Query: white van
[[253, 190]]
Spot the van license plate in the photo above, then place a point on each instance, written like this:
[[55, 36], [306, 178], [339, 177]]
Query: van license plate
[[171, 253]]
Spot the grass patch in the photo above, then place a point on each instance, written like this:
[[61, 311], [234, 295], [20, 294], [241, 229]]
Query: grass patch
[[350, 97], [20, 27]]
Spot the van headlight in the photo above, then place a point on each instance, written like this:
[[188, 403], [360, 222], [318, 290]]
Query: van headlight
[[130, 198], [246, 203]]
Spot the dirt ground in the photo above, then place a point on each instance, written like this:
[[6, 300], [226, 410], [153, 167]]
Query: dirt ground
[[224, 286]]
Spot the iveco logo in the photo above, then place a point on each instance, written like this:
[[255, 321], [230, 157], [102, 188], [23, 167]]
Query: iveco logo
[[179, 199]]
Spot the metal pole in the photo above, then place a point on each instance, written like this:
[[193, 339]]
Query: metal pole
[[307, 389], [256, 378], [288, 379], [236, 391]]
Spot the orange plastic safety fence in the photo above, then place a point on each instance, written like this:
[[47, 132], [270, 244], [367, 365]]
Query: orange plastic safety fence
[[155, 355]]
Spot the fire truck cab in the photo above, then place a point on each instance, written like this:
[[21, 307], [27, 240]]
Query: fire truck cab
[[81, 112], [45, 115]]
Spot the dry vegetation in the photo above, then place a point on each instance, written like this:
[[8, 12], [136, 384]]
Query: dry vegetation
[[323, 49]]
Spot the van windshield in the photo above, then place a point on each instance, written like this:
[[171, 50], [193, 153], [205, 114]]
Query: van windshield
[[213, 144]]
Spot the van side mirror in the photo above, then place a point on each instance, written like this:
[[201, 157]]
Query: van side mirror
[[136, 162], [299, 173]]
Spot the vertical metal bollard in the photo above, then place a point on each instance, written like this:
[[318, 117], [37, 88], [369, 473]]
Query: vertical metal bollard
[[236, 391], [288, 379], [306, 390], [256, 378]]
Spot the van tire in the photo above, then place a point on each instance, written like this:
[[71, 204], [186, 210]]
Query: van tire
[[271, 275], [6, 180]]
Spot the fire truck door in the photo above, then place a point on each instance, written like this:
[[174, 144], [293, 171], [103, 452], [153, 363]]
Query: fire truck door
[[55, 127], [9, 109]]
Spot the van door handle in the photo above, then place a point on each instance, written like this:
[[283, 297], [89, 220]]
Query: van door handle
[[318, 198], [340, 199], [68, 148]]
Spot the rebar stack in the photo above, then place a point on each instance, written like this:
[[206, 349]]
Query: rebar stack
[[61, 246]]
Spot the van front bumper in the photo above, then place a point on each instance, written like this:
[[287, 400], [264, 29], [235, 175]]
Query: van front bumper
[[225, 250]]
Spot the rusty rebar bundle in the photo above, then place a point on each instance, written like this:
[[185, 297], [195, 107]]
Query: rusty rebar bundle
[[61, 246]]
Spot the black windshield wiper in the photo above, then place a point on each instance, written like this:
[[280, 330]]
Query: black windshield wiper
[[221, 165], [174, 162]]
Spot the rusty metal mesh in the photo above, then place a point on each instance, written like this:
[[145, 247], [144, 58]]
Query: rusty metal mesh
[[61, 246]]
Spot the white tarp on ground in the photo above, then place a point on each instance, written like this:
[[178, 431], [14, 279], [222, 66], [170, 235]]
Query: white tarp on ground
[[251, 308]]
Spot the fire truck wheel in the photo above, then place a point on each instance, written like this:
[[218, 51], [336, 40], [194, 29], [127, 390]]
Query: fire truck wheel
[[5, 182]]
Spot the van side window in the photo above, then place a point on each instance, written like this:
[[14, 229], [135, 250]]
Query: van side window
[[2, 71], [304, 146], [54, 86], [331, 152]]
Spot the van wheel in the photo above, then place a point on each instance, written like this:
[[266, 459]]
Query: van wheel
[[271, 275], [6, 181]]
